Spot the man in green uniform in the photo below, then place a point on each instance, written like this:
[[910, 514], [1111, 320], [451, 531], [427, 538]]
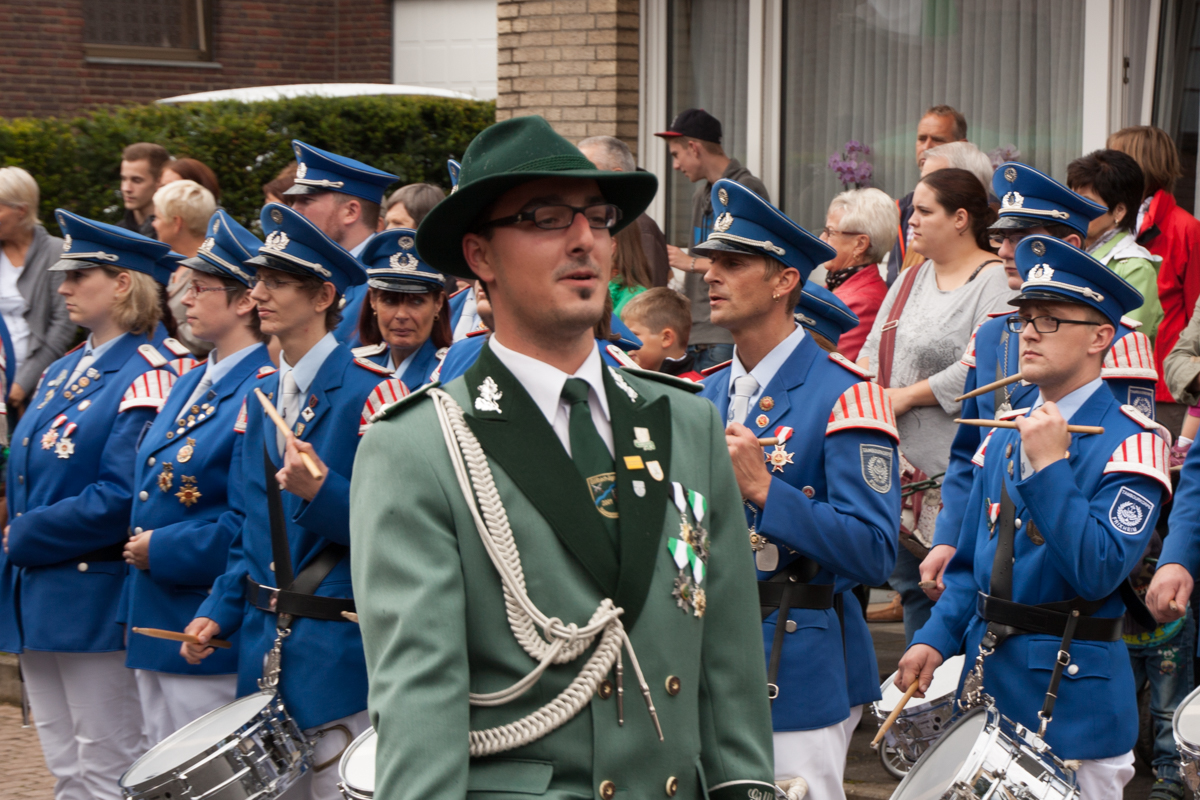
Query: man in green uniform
[[566, 609]]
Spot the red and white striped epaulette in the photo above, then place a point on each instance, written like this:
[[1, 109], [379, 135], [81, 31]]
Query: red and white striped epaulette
[[372, 366], [148, 390], [478, 332], [863, 405], [152, 356], [1130, 358], [977, 459], [239, 426], [994, 314], [849, 365], [177, 347], [265, 371], [1131, 323], [620, 356], [183, 366], [716, 368], [1143, 453], [382, 396], [968, 359]]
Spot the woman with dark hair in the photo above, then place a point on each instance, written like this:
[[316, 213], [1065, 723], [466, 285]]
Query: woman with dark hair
[[1114, 180], [919, 336], [630, 269], [405, 325], [190, 169]]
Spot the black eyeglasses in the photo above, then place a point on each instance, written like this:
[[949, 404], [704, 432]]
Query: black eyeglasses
[[1044, 324], [998, 239], [557, 217], [274, 285], [198, 289]]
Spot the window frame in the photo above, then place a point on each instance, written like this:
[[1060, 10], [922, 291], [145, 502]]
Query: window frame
[[135, 54]]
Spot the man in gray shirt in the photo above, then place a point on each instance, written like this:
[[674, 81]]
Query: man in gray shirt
[[694, 140]]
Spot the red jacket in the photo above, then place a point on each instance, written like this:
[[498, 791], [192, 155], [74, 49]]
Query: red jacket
[[1174, 234], [863, 292]]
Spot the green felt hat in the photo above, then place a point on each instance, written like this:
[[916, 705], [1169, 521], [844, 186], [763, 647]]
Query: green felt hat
[[506, 155]]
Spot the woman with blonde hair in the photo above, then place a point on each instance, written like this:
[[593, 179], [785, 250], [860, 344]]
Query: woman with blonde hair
[[38, 328], [70, 493]]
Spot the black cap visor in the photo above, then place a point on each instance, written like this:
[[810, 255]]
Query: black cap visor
[[721, 246], [262, 261], [402, 286], [1015, 222]]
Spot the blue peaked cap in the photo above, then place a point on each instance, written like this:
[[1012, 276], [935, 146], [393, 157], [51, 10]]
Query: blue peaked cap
[[393, 264], [1054, 270], [88, 243], [746, 223], [295, 245], [453, 167], [226, 250], [321, 171], [1030, 199], [821, 311]]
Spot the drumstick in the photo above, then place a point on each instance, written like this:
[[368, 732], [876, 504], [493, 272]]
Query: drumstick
[[1003, 423], [989, 387], [175, 636], [887, 723], [350, 615], [1173, 605], [770, 440], [927, 585], [283, 427]]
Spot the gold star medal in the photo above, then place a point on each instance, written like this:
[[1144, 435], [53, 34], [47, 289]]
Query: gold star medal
[[189, 493], [780, 457]]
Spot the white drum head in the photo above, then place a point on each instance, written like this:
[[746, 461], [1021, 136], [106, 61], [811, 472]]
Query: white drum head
[[194, 738], [358, 764], [945, 682], [1187, 720], [932, 775]]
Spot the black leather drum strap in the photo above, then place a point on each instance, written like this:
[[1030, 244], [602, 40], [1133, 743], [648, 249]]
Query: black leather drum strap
[[1002, 565], [785, 605], [280, 550]]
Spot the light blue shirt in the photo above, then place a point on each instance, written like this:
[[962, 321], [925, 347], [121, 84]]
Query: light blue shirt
[[1067, 407], [97, 352], [308, 367], [764, 371], [217, 369], [356, 251]]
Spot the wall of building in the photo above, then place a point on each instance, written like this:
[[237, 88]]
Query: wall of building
[[574, 62], [255, 43]]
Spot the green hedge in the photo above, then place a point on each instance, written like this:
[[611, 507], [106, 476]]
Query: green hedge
[[76, 162]]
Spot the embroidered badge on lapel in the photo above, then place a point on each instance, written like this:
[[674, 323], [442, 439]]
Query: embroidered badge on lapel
[[641, 439], [639, 488], [1130, 511], [603, 488], [489, 396], [876, 466], [622, 384]]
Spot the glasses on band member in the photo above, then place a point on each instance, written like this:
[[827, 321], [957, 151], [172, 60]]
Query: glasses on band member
[[1044, 324], [556, 217], [274, 285], [998, 239], [827, 232], [197, 289]]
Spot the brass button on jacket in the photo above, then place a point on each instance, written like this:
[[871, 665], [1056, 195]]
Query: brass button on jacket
[[607, 790], [605, 689], [672, 786], [673, 685]]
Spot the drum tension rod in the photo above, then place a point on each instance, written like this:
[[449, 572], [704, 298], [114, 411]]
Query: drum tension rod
[[1060, 663]]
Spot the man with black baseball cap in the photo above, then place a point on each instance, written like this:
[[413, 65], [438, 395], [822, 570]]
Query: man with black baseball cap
[[694, 140]]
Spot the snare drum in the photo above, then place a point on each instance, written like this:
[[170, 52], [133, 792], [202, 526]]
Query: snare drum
[[922, 721], [357, 768], [985, 754], [1186, 727], [250, 749]]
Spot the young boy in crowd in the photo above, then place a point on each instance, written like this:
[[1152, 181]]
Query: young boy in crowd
[[662, 319]]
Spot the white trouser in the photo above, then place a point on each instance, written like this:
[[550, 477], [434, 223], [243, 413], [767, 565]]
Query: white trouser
[[171, 701], [323, 785], [1104, 778], [85, 707], [818, 756]]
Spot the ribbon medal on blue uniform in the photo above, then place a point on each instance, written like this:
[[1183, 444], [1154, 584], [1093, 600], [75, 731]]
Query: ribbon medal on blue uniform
[[780, 457], [690, 550]]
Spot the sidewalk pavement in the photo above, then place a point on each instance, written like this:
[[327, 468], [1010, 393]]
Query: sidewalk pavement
[[25, 775]]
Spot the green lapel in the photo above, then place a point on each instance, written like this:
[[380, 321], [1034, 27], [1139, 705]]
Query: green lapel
[[521, 441], [641, 520]]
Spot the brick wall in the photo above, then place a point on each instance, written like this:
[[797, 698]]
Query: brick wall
[[256, 43], [574, 62]]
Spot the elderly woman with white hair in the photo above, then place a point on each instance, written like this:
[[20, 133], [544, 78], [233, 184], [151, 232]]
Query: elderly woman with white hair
[[182, 210], [35, 315], [959, 155], [861, 225]]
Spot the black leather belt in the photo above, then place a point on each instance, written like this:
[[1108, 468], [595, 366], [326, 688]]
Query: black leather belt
[[297, 604], [111, 552], [812, 596], [1050, 618]]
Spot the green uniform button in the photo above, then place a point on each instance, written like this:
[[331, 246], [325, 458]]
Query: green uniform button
[[607, 790], [672, 786], [673, 685], [605, 689]]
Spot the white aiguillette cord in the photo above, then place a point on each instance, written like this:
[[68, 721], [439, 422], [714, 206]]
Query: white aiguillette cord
[[557, 643]]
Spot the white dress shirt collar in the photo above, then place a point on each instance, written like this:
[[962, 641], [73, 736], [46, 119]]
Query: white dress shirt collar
[[764, 371], [1073, 401], [306, 370]]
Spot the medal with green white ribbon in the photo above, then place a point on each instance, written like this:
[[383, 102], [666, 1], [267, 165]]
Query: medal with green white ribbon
[[690, 550]]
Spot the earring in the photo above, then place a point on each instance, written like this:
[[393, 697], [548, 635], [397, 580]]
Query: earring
[[775, 297], [435, 316]]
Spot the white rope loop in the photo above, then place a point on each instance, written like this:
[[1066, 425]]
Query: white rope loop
[[546, 639]]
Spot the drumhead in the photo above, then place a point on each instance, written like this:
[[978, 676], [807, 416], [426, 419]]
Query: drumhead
[[194, 738], [357, 767], [945, 682], [1187, 719], [933, 773]]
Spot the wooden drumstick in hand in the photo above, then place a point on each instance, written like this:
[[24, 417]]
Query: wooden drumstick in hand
[[892, 717], [175, 636], [309, 464], [1004, 423], [989, 387], [770, 440]]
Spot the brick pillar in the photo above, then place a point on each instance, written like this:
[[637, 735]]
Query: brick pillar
[[574, 62]]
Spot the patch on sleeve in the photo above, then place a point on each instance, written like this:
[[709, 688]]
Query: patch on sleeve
[[382, 396], [1130, 511], [1130, 358], [152, 356], [620, 356], [863, 405], [183, 366], [148, 390], [1142, 399], [240, 425], [372, 366], [977, 459], [876, 466], [1142, 454], [842, 361], [968, 359]]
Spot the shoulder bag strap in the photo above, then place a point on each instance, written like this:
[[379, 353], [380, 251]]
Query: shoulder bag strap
[[887, 338]]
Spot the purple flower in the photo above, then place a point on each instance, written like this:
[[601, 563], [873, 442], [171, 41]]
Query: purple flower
[[849, 169]]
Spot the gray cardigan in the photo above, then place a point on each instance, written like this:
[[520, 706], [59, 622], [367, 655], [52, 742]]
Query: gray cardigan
[[50, 328]]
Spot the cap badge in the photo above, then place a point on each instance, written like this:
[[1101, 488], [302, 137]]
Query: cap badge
[[723, 223], [276, 216], [403, 261], [1010, 174], [302, 169], [405, 242], [1038, 248], [1041, 272], [277, 240], [1012, 200], [67, 242], [723, 196]]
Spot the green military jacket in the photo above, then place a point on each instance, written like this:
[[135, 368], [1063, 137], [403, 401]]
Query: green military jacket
[[433, 613]]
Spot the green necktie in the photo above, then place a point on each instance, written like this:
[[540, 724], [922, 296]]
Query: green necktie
[[589, 452]]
